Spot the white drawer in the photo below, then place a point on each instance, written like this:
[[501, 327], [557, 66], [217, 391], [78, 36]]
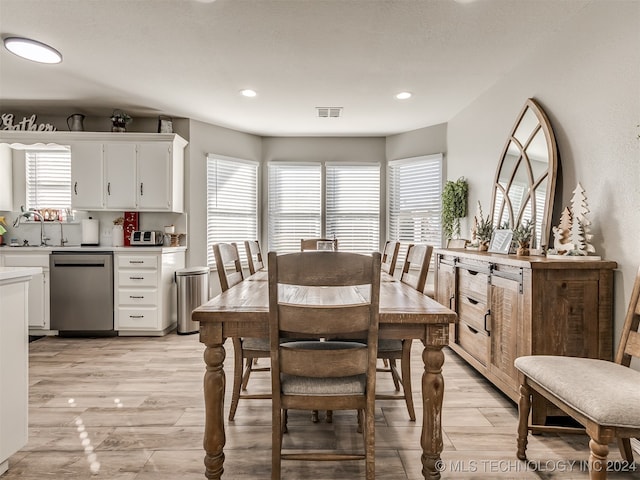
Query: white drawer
[[138, 261], [137, 318], [137, 297], [134, 278], [12, 260]]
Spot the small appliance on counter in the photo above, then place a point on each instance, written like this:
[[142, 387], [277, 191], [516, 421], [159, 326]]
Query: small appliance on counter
[[147, 238]]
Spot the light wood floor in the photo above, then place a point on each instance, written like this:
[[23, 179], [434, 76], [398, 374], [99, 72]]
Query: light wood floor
[[132, 408]]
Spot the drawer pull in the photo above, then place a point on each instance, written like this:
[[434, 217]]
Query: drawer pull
[[136, 278], [472, 301], [472, 272], [473, 330], [136, 296], [486, 323], [136, 261], [451, 298], [136, 316]]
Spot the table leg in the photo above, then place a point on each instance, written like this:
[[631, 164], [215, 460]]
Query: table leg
[[432, 394], [214, 385]]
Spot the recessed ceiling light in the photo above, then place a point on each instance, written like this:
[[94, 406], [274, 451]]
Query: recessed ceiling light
[[32, 50], [403, 95], [248, 92]]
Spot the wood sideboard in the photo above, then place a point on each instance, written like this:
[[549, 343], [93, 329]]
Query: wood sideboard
[[509, 306]]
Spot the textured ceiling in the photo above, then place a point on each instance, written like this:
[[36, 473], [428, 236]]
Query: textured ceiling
[[190, 58]]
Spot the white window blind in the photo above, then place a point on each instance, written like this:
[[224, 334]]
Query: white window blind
[[353, 206], [295, 204], [48, 179], [415, 199], [232, 202]]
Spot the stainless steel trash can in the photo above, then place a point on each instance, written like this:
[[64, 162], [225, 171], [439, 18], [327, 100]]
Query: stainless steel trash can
[[193, 291]]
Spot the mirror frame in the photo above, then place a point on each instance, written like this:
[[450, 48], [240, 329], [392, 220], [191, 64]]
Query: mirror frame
[[541, 238]]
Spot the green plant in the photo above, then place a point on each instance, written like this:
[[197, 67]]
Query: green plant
[[120, 118], [523, 233], [454, 206], [485, 229]]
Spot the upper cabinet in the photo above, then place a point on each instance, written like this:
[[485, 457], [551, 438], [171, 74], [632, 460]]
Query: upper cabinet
[[118, 171]]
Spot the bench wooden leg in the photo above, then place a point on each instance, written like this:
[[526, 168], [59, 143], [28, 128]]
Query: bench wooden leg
[[524, 408], [598, 460]]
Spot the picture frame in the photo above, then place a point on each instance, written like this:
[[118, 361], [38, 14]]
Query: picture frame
[[501, 241]]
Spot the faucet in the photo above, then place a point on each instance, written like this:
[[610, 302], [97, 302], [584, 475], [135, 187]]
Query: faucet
[[28, 214], [62, 239]]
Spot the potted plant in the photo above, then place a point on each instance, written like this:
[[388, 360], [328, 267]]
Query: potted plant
[[522, 236], [119, 120], [484, 231], [454, 206]]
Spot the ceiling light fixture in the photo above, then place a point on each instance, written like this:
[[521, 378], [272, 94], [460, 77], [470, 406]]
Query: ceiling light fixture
[[403, 95], [32, 50], [248, 92]]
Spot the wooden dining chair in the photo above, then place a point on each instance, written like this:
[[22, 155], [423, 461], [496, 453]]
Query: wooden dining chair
[[390, 256], [414, 273], [338, 375], [457, 243], [246, 349], [602, 396], [312, 243], [254, 255]]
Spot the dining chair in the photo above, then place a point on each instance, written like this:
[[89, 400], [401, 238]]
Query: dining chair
[[246, 349], [390, 256], [414, 273], [457, 243], [323, 295], [312, 243], [602, 396], [254, 255]]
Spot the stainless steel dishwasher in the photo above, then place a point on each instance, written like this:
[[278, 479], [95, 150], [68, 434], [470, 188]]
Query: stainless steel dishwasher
[[81, 292]]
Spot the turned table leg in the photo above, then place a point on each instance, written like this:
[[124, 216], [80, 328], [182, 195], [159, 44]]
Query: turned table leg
[[214, 385], [432, 395]]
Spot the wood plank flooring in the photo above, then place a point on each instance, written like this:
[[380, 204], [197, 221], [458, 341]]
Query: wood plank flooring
[[127, 408]]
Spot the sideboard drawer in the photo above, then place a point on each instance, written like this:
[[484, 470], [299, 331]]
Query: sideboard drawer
[[474, 341], [472, 311], [473, 284]]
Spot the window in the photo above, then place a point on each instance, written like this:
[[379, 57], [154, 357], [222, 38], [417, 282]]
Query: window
[[295, 204], [350, 195], [48, 179], [353, 206], [414, 197], [232, 202]]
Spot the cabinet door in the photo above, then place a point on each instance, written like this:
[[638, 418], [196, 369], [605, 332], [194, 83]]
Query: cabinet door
[[37, 288], [120, 173], [86, 176], [154, 176], [446, 285], [506, 309]]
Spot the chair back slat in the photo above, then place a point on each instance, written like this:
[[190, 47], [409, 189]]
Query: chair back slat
[[312, 243], [416, 266], [225, 254], [629, 342], [316, 363], [390, 256], [327, 321], [254, 255], [310, 269]]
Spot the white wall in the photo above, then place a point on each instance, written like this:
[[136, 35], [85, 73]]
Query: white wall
[[587, 79], [423, 141]]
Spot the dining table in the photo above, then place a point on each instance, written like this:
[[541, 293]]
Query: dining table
[[243, 311]]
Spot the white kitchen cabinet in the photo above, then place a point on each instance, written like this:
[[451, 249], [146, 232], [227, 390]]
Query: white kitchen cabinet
[[87, 176], [6, 171], [145, 291], [120, 175], [14, 362], [39, 310]]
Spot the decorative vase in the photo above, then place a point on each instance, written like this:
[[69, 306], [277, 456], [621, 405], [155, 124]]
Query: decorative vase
[[119, 127], [117, 236], [483, 246], [522, 251]]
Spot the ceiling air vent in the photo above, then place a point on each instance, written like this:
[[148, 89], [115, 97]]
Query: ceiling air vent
[[329, 112]]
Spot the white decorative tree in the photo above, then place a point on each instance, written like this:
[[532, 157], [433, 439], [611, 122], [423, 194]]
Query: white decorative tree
[[562, 233], [580, 235]]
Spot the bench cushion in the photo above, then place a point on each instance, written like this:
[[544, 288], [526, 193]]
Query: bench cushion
[[605, 392]]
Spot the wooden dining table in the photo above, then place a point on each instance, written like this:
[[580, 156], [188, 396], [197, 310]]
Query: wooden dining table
[[243, 311]]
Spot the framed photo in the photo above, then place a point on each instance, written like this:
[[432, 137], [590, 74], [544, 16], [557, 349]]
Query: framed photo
[[501, 241]]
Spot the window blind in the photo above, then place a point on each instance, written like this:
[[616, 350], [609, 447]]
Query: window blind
[[48, 179], [232, 203], [295, 204], [353, 206], [414, 201]]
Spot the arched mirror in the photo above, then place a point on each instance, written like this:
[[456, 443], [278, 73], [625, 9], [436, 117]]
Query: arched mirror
[[525, 180]]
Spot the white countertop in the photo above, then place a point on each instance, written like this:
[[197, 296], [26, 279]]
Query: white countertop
[[13, 273], [100, 248]]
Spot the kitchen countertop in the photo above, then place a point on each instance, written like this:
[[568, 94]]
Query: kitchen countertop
[[100, 248], [12, 273]]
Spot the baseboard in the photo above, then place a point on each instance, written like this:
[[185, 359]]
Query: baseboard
[[635, 444]]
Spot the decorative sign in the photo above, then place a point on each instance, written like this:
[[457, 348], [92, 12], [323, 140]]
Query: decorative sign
[[28, 124]]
